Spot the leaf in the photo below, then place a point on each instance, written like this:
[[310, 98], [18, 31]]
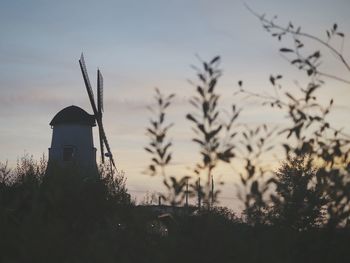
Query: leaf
[[234, 116], [200, 91], [191, 118], [206, 158], [166, 147], [205, 108], [148, 150], [166, 105], [340, 34], [286, 50], [233, 134], [272, 80], [335, 26], [286, 148], [297, 129], [198, 141], [161, 117], [214, 132], [171, 96], [245, 135], [296, 61], [317, 54], [160, 101], [152, 168], [151, 131], [201, 77], [205, 65], [155, 124], [226, 155], [215, 116], [244, 182], [310, 72], [255, 188], [160, 138], [249, 148], [269, 148], [290, 96], [215, 59], [201, 128], [168, 159], [194, 103], [155, 160], [212, 85], [240, 82]]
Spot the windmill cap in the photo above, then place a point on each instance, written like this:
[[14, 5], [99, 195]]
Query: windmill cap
[[73, 115]]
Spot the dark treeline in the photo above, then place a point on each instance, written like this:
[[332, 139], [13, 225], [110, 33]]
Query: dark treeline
[[66, 216]]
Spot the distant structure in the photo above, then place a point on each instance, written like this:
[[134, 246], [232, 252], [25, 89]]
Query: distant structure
[[72, 140]]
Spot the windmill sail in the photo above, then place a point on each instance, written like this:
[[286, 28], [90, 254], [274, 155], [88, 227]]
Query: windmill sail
[[87, 83], [100, 109], [101, 145], [99, 92], [97, 110], [107, 147]]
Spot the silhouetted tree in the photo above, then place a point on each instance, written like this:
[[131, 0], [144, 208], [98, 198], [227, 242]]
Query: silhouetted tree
[[299, 200]]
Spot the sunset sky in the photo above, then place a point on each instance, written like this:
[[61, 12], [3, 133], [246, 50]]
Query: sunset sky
[[139, 45]]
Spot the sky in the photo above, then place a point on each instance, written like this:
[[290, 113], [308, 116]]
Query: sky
[[140, 45]]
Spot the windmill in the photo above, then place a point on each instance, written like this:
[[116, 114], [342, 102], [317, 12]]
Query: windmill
[[98, 110]]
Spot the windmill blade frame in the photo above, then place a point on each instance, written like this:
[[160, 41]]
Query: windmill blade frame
[[87, 84], [100, 110], [99, 92], [110, 155], [97, 110]]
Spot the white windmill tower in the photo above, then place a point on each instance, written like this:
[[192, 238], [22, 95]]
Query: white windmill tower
[[72, 140]]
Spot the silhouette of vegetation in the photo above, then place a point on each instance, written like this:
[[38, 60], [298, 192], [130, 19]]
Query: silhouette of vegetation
[[308, 62], [213, 136], [298, 212], [311, 189], [310, 132], [299, 200], [45, 217], [160, 150]]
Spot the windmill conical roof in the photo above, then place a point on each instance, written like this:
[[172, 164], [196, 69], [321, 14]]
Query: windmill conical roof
[[73, 115]]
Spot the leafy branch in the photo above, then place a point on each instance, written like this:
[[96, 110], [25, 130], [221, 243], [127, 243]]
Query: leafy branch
[[213, 136], [309, 62], [159, 148]]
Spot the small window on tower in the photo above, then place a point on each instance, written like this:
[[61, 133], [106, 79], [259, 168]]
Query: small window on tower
[[68, 153]]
